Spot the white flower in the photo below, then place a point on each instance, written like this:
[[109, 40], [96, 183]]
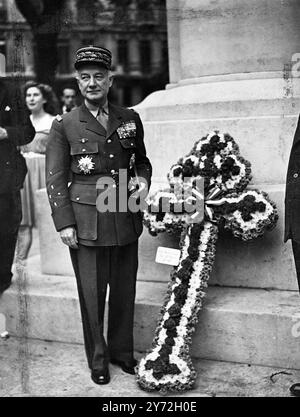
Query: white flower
[[86, 164], [192, 158], [218, 161]]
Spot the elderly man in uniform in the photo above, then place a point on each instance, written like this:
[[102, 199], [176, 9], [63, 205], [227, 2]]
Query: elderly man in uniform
[[15, 130], [96, 140]]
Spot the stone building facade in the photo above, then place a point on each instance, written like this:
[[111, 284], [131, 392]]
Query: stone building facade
[[135, 32]]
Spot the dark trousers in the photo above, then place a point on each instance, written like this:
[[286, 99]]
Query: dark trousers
[[296, 252], [95, 267], [10, 219]]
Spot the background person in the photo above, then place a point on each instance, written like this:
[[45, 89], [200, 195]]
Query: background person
[[43, 106], [68, 99], [15, 130], [292, 212]]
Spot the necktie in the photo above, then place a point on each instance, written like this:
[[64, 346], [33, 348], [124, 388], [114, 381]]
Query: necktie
[[102, 117]]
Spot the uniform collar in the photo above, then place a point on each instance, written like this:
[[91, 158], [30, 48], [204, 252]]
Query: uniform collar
[[96, 111], [114, 120]]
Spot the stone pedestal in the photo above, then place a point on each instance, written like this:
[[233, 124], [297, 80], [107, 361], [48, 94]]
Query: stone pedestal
[[231, 69]]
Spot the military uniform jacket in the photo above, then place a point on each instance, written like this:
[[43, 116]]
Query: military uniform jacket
[[77, 135], [292, 196], [15, 119]]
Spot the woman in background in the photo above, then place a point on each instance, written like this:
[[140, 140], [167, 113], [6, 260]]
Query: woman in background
[[43, 106]]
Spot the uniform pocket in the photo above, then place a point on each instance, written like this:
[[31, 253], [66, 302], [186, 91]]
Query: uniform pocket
[[128, 143], [85, 157], [83, 197]]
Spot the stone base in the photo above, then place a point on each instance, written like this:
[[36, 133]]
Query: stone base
[[60, 370], [252, 326]]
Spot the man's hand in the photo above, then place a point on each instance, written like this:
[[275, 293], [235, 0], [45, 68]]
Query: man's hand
[[3, 133], [69, 237]]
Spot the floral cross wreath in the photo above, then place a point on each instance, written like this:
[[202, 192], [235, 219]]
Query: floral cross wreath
[[247, 213]]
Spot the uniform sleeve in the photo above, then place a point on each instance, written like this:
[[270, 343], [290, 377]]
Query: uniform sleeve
[[143, 165], [57, 177]]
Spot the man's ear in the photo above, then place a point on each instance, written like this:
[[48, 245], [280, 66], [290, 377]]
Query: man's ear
[[111, 79]]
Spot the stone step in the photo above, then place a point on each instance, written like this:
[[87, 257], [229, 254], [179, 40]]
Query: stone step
[[252, 326], [51, 369]]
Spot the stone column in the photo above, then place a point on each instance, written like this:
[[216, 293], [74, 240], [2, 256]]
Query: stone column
[[156, 50], [134, 56], [231, 67], [111, 44], [29, 54]]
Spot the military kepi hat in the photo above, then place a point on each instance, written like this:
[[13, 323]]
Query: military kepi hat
[[93, 55]]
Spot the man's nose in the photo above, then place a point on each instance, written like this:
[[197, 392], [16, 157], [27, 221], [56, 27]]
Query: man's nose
[[92, 81]]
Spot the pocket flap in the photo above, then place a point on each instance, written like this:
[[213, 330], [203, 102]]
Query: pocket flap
[[83, 193], [128, 143], [84, 148]]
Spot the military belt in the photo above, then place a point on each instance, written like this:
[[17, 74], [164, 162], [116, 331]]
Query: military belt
[[92, 179]]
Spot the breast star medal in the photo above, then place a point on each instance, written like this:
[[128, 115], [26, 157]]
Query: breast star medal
[[86, 164]]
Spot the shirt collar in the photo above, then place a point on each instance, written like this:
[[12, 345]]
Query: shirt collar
[[96, 112]]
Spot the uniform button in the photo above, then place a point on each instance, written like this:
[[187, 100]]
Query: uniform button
[[83, 150], [111, 155], [50, 172], [108, 140], [114, 185], [112, 171], [131, 144], [58, 193], [83, 140], [52, 187], [50, 196], [77, 198], [55, 204], [7, 163], [295, 175]]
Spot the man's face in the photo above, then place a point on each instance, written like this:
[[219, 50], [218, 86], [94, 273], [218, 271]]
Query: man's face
[[68, 97], [94, 82]]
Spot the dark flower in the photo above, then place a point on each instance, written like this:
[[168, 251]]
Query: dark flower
[[261, 207], [187, 171], [249, 199], [214, 140], [193, 253], [235, 170], [165, 350], [160, 217], [183, 275], [149, 365], [180, 293], [158, 374], [174, 311], [170, 341], [171, 333], [169, 324], [177, 172], [173, 369]]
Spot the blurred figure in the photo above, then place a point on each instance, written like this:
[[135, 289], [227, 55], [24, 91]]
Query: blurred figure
[[15, 130], [43, 106], [68, 99]]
